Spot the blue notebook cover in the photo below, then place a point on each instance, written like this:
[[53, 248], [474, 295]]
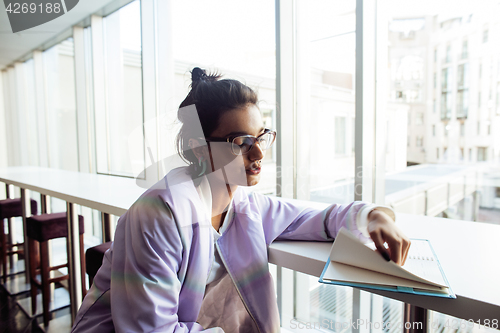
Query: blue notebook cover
[[407, 290]]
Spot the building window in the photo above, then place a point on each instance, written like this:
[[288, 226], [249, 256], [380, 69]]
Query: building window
[[340, 135], [480, 70], [465, 49], [485, 36], [435, 55], [462, 103], [434, 106], [482, 154], [489, 129], [478, 128], [448, 53], [437, 153], [446, 93], [498, 97], [420, 141], [433, 130], [470, 154], [435, 80], [462, 129], [462, 91], [479, 99], [463, 76], [419, 120]]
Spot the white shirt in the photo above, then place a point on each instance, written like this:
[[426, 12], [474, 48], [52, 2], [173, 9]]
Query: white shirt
[[218, 268]]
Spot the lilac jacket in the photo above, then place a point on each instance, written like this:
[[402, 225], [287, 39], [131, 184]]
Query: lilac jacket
[[153, 278]]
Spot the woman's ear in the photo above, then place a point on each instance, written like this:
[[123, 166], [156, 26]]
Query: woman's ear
[[198, 149]]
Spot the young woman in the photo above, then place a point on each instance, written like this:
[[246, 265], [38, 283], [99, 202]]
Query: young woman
[[190, 255]]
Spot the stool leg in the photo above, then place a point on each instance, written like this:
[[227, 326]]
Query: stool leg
[[33, 246], [45, 272], [82, 264], [4, 250]]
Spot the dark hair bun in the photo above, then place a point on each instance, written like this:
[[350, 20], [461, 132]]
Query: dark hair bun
[[198, 74]]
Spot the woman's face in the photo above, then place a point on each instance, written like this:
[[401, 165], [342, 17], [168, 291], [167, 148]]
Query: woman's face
[[239, 169]]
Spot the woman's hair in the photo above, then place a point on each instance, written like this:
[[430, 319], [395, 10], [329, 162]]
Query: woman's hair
[[212, 97]]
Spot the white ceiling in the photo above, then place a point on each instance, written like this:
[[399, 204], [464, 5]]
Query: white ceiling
[[15, 46]]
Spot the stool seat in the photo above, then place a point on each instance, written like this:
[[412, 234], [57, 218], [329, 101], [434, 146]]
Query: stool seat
[[93, 259], [49, 226], [12, 208], [41, 229]]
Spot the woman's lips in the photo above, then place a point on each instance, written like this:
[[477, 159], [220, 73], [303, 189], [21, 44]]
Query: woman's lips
[[253, 171]]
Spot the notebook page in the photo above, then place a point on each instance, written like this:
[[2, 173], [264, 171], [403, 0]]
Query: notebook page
[[422, 262], [349, 250]]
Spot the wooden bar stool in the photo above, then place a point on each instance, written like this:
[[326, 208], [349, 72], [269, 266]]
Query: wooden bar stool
[[93, 259], [42, 228], [10, 208]]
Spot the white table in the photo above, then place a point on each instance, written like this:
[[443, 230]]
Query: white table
[[469, 252], [108, 194]]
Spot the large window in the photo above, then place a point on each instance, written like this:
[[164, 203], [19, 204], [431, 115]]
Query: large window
[[464, 111], [119, 151], [462, 91], [60, 100], [239, 46]]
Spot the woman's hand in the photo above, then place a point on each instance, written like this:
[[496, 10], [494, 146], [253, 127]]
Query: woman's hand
[[382, 229]]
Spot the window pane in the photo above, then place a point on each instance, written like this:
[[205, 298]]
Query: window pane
[[59, 70], [32, 115], [123, 82], [245, 50], [464, 129], [328, 54]]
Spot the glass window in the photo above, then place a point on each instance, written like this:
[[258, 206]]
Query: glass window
[[118, 154], [446, 93], [448, 53], [340, 135], [465, 49], [31, 112], [498, 99], [60, 100], [460, 81], [419, 119], [244, 49], [482, 154], [462, 103]]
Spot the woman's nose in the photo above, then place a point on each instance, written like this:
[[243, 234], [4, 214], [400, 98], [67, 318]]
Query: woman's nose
[[256, 153]]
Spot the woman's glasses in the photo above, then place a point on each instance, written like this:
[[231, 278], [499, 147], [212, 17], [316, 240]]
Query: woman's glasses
[[241, 145]]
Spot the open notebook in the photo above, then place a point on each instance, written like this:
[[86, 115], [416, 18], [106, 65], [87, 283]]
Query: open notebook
[[352, 263]]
